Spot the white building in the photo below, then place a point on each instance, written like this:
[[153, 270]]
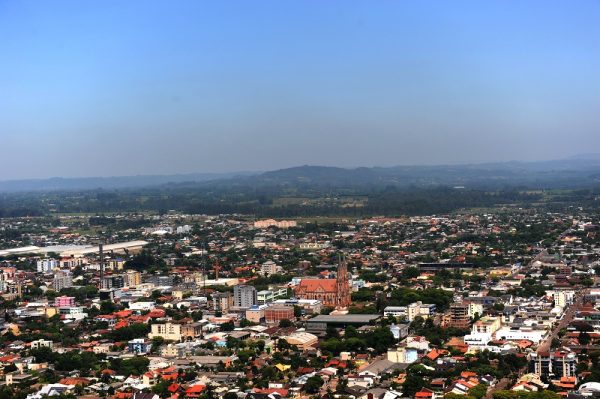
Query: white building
[[62, 279], [42, 343], [268, 296], [417, 342], [528, 333], [284, 224], [396, 311], [46, 265], [73, 312], [185, 229], [244, 296], [478, 341], [423, 310], [141, 306], [50, 390], [562, 298], [269, 267], [475, 309], [402, 355], [168, 331]]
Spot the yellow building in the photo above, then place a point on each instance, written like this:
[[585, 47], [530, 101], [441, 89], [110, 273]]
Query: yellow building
[[302, 340], [132, 278], [168, 331]]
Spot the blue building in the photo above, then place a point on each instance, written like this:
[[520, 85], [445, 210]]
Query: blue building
[[139, 346]]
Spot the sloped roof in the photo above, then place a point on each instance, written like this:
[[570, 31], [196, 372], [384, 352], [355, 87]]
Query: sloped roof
[[316, 285]]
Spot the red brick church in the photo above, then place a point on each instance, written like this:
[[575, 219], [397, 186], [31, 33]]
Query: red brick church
[[331, 292]]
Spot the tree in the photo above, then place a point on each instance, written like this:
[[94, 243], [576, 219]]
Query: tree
[[107, 307], [326, 310], [297, 311], [136, 365], [245, 323], [412, 384], [156, 344], [228, 326], [380, 339], [285, 323], [331, 332], [10, 368], [313, 384], [137, 330], [478, 391], [161, 388], [350, 332]]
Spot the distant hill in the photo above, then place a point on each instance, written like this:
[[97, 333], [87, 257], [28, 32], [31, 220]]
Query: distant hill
[[578, 171], [115, 182], [319, 191], [547, 174]]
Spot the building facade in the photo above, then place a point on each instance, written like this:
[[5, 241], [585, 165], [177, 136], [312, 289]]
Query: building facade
[[459, 316], [169, 331], [553, 364], [222, 301], [64, 301], [62, 279], [331, 292], [274, 314], [46, 265], [244, 296]]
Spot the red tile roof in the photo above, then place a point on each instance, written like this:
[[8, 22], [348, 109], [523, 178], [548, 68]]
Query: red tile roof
[[316, 285]]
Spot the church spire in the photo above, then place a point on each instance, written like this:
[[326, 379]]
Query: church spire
[[342, 284]]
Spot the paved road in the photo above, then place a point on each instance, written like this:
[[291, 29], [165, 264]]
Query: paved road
[[503, 383], [564, 322]]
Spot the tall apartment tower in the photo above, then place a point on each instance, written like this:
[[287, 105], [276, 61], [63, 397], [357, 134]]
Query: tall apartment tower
[[459, 316], [222, 301], [244, 296], [62, 279]]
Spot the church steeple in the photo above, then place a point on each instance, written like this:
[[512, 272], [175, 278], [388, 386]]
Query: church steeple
[[342, 284]]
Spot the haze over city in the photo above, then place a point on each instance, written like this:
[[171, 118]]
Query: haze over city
[[284, 199], [125, 88]]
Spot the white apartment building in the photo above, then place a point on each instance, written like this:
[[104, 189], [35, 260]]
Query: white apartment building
[[268, 296], [415, 309], [62, 279], [42, 343], [46, 265], [244, 296], [475, 309], [477, 341], [396, 311], [486, 325], [563, 298]]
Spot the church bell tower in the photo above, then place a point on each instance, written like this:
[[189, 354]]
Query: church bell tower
[[342, 284]]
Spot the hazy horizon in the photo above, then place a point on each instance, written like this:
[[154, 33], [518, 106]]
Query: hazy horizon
[[584, 157], [101, 89]]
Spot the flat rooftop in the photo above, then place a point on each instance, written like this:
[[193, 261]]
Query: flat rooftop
[[106, 248], [348, 318]]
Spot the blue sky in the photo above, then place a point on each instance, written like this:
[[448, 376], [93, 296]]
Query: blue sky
[[101, 88]]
